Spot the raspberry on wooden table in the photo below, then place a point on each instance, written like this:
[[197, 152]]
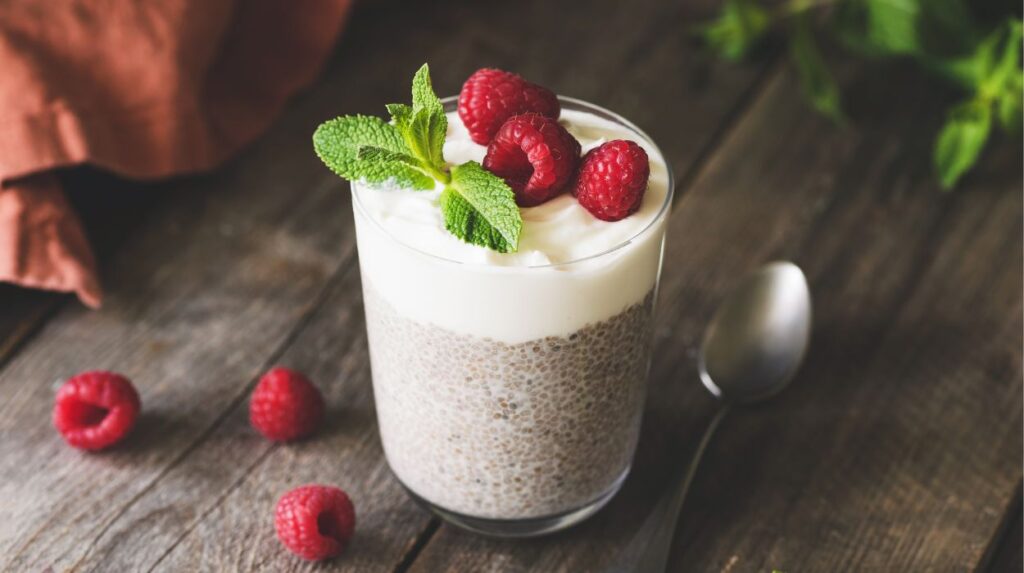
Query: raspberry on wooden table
[[612, 179], [491, 96], [315, 521], [95, 410], [533, 154], [285, 405]]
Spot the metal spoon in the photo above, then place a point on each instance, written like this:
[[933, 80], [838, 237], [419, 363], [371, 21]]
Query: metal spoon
[[751, 350]]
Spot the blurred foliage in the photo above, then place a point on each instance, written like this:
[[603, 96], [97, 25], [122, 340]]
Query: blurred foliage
[[976, 48]]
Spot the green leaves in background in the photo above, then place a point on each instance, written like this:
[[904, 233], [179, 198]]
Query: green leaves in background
[[885, 26], [738, 28], [1010, 105], [961, 140], [478, 206], [940, 35], [992, 73], [816, 80], [905, 27]]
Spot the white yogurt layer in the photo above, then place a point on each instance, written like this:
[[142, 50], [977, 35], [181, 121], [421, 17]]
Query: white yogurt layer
[[544, 289], [557, 231]]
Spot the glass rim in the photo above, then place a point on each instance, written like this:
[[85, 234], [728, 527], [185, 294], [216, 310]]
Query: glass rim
[[450, 103]]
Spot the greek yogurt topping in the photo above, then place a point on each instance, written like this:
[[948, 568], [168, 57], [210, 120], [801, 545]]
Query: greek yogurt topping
[[558, 231]]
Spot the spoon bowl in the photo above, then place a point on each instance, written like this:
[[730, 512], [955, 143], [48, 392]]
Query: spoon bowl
[[758, 337]]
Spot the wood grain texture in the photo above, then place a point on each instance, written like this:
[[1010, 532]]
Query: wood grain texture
[[902, 446], [21, 313], [899, 445], [238, 535], [1006, 553], [898, 448], [252, 265]]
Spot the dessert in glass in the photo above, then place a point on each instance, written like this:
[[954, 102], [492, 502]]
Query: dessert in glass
[[509, 386]]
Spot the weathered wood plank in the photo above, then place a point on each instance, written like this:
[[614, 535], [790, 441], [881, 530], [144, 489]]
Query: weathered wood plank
[[21, 313], [216, 286], [1007, 555], [899, 444], [902, 448], [916, 448], [238, 532]]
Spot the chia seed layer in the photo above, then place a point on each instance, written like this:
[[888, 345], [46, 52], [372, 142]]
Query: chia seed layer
[[509, 431]]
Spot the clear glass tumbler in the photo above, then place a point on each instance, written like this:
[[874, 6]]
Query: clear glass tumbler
[[500, 409]]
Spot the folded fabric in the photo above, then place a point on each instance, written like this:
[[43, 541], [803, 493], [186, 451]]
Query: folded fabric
[[144, 89]]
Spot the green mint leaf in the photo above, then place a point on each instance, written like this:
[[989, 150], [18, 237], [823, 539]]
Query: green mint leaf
[[423, 96], [480, 208], [1010, 106], [423, 132], [401, 115], [337, 142], [399, 174], [880, 27], [463, 221], [961, 140], [906, 27], [425, 124], [740, 26], [817, 82], [981, 69], [1006, 62], [425, 137], [990, 64], [967, 71], [379, 155]]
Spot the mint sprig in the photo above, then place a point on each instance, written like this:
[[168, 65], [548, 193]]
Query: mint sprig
[[478, 206]]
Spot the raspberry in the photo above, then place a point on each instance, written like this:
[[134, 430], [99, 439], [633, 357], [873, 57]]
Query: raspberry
[[315, 521], [491, 96], [285, 405], [95, 410], [533, 154], [612, 180]]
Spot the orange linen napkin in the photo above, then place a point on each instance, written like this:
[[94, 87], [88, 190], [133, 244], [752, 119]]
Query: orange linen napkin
[[145, 89]]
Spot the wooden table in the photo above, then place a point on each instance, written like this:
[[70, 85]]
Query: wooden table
[[898, 447]]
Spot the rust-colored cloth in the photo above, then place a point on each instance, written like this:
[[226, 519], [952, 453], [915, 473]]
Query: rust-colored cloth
[[145, 89]]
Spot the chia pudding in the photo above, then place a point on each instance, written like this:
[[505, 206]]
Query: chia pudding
[[510, 386], [498, 430]]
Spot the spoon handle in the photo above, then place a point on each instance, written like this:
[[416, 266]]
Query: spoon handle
[[651, 546]]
